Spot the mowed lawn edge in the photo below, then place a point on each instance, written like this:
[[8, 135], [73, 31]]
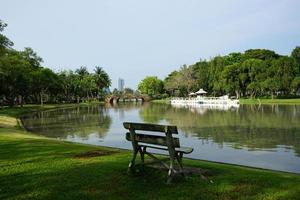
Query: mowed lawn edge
[[35, 167]]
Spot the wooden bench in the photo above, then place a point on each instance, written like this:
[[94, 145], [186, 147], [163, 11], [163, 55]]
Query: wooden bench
[[142, 141]]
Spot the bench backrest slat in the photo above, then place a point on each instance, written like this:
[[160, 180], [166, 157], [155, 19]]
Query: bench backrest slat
[[151, 127], [153, 139]]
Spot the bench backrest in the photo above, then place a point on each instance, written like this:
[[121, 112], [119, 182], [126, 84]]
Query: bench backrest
[[166, 140]]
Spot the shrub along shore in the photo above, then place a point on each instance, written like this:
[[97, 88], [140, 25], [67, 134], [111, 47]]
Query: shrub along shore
[[35, 167]]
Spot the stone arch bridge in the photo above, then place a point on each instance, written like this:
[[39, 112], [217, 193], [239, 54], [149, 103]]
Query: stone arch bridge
[[126, 98]]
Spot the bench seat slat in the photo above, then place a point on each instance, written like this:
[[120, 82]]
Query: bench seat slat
[[185, 150]]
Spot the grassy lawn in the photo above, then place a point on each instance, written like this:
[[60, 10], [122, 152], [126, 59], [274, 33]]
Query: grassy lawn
[[251, 101], [271, 101], [165, 101], [34, 167]]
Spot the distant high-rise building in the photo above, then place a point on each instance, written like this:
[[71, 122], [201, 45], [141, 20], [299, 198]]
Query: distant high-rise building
[[121, 83]]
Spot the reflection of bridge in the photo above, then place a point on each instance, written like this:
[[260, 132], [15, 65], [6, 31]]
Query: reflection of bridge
[[126, 98]]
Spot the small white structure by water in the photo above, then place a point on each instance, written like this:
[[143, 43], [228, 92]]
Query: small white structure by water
[[198, 99]]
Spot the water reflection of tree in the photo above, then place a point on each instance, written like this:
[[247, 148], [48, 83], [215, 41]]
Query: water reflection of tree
[[152, 113], [71, 122], [124, 106], [253, 127]]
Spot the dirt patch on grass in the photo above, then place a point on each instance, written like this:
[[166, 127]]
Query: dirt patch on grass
[[94, 153]]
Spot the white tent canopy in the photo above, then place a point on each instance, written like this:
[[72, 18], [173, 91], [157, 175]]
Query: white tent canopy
[[192, 93], [201, 91]]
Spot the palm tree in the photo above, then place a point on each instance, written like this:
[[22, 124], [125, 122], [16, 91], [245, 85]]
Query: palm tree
[[82, 71], [101, 77]]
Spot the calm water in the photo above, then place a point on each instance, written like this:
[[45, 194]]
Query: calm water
[[260, 136]]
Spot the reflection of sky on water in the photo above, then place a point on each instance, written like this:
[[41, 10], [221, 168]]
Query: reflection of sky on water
[[233, 136]]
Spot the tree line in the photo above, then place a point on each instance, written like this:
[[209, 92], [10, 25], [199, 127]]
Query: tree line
[[254, 73], [23, 79]]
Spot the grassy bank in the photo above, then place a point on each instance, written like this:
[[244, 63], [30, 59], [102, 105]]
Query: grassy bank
[[271, 101], [18, 110], [164, 101], [251, 101], [34, 167]]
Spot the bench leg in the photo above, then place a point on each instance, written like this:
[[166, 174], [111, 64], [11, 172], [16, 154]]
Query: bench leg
[[179, 160], [131, 166], [171, 169], [142, 152], [170, 174]]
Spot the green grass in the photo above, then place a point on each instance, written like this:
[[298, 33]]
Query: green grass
[[17, 110], [165, 101], [251, 101], [34, 167], [271, 101]]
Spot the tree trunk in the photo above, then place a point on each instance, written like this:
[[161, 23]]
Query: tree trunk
[[20, 100], [237, 94], [12, 102], [253, 95], [41, 98]]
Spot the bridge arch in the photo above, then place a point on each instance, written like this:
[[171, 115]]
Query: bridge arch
[[112, 99]]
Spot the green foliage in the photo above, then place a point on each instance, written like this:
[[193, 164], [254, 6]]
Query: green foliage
[[24, 79], [201, 73], [262, 54], [296, 84], [181, 82], [296, 56], [256, 72], [284, 71], [32, 57], [233, 58], [128, 91], [5, 43], [231, 79], [101, 77], [172, 82], [151, 86]]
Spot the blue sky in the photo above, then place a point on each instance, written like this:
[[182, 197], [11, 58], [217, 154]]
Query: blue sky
[[132, 39]]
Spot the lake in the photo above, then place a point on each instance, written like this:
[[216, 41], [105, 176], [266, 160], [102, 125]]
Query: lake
[[266, 136]]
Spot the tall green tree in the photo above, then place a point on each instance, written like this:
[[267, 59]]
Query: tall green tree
[[201, 70], [14, 77], [5, 43], [216, 66], [31, 56], [172, 83], [251, 74], [257, 74], [283, 70], [43, 80], [188, 78], [296, 56], [262, 54], [102, 79], [230, 79], [151, 86], [296, 84]]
